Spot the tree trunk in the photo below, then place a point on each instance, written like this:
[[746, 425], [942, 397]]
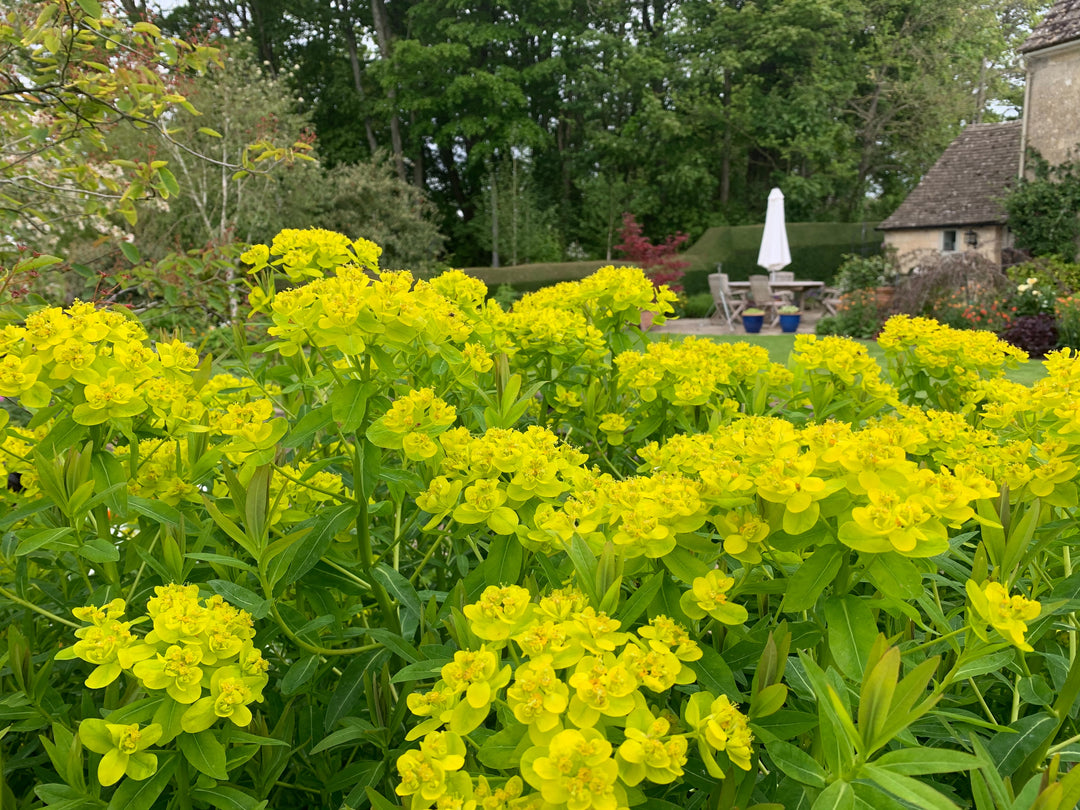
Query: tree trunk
[[382, 33], [980, 95], [514, 211], [725, 159], [354, 60], [418, 162], [494, 216]]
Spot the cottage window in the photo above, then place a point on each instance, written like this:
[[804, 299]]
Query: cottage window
[[948, 241]]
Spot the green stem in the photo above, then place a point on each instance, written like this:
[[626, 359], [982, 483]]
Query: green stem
[[31, 606], [937, 640], [985, 708], [316, 649]]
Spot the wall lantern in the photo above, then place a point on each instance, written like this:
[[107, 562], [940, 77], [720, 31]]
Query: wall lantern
[[971, 239]]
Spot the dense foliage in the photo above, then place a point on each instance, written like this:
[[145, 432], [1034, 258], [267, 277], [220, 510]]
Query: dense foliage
[[405, 547], [1044, 209], [535, 126]]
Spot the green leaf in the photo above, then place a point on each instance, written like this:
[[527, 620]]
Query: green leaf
[[907, 789], [379, 803], [308, 425], [685, 566], [132, 795], [420, 671], [585, 564], [895, 575], [714, 674], [500, 750], [91, 7], [837, 796], [640, 599], [168, 181], [131, 253], [226, 798], [350, 686], [311, 548], [394, 642], [64, 434], [299, 674], [205, 753], [39, 539], [504, 561], [852, 631], [354, 730], [241, 597], [155, 510], [796, 763], [920, 761], [811, 578], [1009, 749], [398, 587], [349, 404]]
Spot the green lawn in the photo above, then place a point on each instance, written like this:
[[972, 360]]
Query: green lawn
[[779, 347]]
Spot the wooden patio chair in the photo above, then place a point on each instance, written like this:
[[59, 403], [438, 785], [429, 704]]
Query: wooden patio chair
[[830, 300], [726, 302], [764, 297], [782, 275]]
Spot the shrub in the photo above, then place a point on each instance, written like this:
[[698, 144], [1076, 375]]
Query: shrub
[[415, 550], [660, 261], [964, 290], [1035, 334], [698, 306], [866, 272], [857, 316], [1067, 320]]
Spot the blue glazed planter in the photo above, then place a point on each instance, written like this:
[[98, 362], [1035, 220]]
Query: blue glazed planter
[[789, 323], [752, 323]]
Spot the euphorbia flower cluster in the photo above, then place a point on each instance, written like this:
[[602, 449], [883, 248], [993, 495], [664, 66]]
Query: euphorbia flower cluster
[[198, 660], [589, 703]]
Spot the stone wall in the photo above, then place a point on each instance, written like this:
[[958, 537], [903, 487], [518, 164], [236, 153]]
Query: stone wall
[[1053, 103], [913, 242]]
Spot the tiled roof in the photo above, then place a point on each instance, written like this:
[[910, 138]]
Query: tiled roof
[[1061, 24], [965, 186]]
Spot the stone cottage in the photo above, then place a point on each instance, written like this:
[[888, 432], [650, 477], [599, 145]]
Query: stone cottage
[[957, 206]]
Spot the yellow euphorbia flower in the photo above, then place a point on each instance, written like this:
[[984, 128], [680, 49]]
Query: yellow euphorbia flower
[[1009, 615], [664, 634], [424, 773], [719, 726], [575, 771], [894, 523], [554, 639], [122, 748], [230, 694], [500, 613], [108, 644], [649, 752], [477, 674], [604, 686], [538, 698], [19, 378], [177, 672], [709, 596]]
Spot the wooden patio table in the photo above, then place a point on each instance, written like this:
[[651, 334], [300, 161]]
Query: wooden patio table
[[799, 287]]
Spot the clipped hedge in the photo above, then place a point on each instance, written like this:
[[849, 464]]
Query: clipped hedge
[[817, 249]]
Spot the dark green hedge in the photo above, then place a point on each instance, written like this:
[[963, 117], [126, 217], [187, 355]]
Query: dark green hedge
[[817, 249]]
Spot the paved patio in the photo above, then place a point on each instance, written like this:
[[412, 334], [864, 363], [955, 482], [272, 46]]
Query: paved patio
[[719, 326]]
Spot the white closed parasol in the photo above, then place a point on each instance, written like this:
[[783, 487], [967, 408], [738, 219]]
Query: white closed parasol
[[774, 253]]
